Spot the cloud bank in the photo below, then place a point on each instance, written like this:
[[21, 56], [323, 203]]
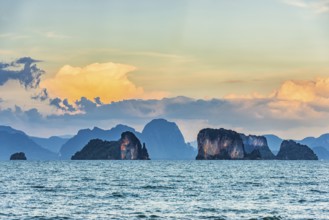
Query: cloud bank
[[102, 95], [295, 109]]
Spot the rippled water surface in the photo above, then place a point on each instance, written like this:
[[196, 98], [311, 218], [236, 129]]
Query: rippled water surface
[[164, 190]]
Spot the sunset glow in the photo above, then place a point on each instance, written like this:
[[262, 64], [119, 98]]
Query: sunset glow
[[206, 63]]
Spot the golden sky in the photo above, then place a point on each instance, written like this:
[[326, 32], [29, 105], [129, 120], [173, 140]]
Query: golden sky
[[111, 51]]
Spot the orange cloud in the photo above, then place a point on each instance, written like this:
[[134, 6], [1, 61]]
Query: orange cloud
[[304, 91], [294, 99], [294, 90], [316, 91], [109, 81], [254, 95]]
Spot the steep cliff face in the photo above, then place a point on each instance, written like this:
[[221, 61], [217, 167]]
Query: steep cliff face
[[252, 143], [290, 150], [220, 143], [131, 148], [127, 148]]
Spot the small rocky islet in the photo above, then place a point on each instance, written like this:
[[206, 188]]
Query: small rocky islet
[[18, 156]]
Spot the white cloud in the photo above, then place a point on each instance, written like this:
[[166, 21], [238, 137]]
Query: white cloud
[[305, 91], [14, 94], [54, 35], [318, 6], [296, 3], [13, 36]]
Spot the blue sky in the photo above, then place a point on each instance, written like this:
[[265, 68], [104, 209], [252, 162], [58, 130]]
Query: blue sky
[[121, 50]]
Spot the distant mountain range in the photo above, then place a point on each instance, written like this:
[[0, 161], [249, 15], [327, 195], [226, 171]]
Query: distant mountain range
[[13, 141], [163, 139], [53, 144]]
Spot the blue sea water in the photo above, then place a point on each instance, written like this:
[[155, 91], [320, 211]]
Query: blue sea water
[[164, 190]]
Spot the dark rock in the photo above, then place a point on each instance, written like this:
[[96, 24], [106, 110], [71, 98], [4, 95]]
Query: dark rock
[[77, 142], [144, 154], [290, 150], [18, 156], [254, 155], [252, 143], [97, 149], [214, 144], [127, 148]]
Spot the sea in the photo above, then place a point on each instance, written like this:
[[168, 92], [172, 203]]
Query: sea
[[267, 190]]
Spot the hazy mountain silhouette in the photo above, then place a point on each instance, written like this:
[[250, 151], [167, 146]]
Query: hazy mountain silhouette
[[320, 145], [52, 144], [321, 141], [274, 142], [12, 141], [10, 130], [164, 140], [321, 152]]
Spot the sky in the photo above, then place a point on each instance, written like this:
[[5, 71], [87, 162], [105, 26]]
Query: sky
[[254, 66]]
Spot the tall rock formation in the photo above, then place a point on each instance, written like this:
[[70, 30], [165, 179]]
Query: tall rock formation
[[214, 144], [165, 141], [290, 150], [131, 148], [127, 148], [257, 143]]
